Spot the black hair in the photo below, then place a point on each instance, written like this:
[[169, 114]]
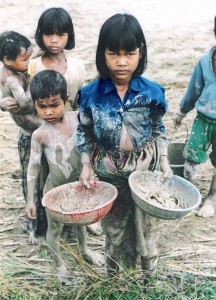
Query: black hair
[[11, 43], [121, 32], [48, 83], [55, 20]]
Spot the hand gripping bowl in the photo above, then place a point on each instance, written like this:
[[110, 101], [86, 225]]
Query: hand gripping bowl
[[178, 187], [71, 203]]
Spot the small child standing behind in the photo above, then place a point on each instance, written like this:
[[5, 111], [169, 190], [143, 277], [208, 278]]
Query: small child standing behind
[[54, 35], [121, 130], [15, 52], [201, 94], [56, 139]]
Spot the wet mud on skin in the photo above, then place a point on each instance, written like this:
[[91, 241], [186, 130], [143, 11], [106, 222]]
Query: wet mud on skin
[[172, 54]]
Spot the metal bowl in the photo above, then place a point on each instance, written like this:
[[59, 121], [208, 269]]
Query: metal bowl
[[71, 203], [178, 187]]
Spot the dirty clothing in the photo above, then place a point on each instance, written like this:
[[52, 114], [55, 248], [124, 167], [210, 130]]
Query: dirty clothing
[[201, 91], [201, 94], [74, 75], [203, 135], [101, 114], [129, 231]]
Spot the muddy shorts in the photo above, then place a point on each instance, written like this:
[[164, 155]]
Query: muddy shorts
[[202, 137], [24, 148], [129, 231]]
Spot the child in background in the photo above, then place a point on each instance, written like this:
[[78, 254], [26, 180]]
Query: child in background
[[56, 139], [121, 130], [54, 35], [15, 52], [201, 94]]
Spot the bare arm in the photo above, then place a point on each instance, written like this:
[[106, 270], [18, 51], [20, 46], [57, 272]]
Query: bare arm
[[85, 174], [15, 85], [32, 174], [9, 104]]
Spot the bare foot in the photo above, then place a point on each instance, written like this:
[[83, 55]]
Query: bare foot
[[33, 239], [63, 275], [94, 258], [95, 228], [207, 209]]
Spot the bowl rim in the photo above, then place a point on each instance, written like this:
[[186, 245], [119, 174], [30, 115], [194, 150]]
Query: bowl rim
[[79, 183], [163, 208]]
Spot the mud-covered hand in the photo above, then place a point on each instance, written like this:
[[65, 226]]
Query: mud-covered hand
[[165, 167], [86, 174], [9, 104], [177, 119], [144, 160], [30, 211]]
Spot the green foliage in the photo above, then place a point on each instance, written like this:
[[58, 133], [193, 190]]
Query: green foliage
[[28, 284]]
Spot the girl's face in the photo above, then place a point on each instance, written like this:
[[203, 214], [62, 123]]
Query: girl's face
[[122, 64], [50, 109], [55, 43], [20, 64]]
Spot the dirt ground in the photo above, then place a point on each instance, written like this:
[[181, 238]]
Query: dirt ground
[[187, 244]]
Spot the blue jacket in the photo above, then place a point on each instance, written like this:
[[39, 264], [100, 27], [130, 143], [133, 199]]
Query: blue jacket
[[201, 92], [101, 113]]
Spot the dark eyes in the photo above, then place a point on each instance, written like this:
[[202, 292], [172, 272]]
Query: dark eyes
[[127, 53], [44, 106], [59, 34]]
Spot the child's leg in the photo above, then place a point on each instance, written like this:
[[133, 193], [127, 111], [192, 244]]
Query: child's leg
[[53, 232], [147, 247], [88, 255], [207, 209], [149, 262]]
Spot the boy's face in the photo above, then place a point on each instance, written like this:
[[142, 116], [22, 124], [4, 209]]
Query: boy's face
[[50, 109], [20, 64]]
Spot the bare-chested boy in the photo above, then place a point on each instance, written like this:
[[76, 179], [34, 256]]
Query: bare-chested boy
[[56, 138], [15, 52]]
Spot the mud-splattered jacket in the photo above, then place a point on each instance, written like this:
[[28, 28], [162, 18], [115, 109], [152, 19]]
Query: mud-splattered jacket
[[101, 113], [201, 92]]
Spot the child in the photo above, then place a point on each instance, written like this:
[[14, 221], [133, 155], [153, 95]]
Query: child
[[15, 52], [121, 130], [201, 94], [56, 139], [53, 35]]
